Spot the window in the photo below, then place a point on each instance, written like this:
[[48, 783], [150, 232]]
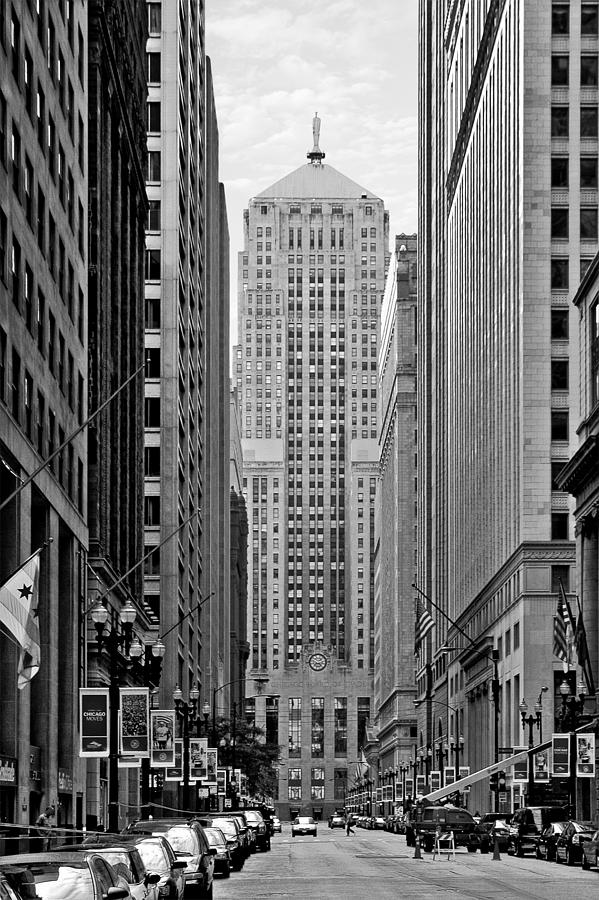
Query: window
[[152, 462], [560, 70], [154, 215], [152, 562], [588, 172], [560, 274], [559, 374], [15, 155], [588, 122], [153, 73], [560, 19], [559, 324], [559, 222], [560, 121], [559, 171], [588, 71], [153, 165], [588, 223], [317, 739], [559, 425], [151, 511], [153, 312], [559, 526], [152, 362], [152, 272], [560, 574], [556, 468], [295, 727], [154, 19], [152, 412], [153, 122], [588, 19], [340, 725]]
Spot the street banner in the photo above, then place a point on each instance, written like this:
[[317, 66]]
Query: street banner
[[541, 766], [399, 797], [435, 780], [560, 751], [175, 773], [585, 755], [198, 748], [162, 722], [520, 770], [135, 721], [94, 722], [463, 772], [211, 764], [409, 789], [221, 781], [449, 774], [420, 785]]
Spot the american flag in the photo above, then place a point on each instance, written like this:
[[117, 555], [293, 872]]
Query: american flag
[[424, 623], [561, 624]]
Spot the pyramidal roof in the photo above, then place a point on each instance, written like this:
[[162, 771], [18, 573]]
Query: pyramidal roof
[[316, 180]]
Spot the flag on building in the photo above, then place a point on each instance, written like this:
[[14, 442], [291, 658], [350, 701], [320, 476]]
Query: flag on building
[[362, 767], [18, 614], [560, 630], [424, 623], [582, 650]]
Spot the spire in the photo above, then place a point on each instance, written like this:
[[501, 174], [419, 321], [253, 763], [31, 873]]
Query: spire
[[316, 155]]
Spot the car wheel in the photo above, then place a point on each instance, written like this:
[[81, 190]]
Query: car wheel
[[569, 857], [227, 871], [519, 849], [585, 863]]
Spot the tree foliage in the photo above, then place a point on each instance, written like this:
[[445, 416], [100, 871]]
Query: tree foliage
[[256, 758]]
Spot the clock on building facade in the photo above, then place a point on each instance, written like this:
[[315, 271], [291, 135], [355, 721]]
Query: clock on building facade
[[317, 662]]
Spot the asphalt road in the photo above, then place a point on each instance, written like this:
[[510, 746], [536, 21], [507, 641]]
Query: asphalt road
[[374, 865]]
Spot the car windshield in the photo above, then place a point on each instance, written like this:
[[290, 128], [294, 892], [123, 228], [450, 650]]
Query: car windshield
[[583, 826], [227, 828], [154, 857], [55, 882], [120, 862], [181, 840], [253, 817], [304, 820]]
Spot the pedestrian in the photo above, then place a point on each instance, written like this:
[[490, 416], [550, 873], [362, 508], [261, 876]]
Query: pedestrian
[[348, 828], [44, 827]]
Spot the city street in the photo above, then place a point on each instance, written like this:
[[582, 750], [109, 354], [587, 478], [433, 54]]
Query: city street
[[376, 864]]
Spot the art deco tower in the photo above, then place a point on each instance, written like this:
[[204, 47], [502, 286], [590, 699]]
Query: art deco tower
[[311, 282]]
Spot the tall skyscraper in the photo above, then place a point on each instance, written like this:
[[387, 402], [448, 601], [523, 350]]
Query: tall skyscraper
[[311, 282], [43, 392], [508, 221]]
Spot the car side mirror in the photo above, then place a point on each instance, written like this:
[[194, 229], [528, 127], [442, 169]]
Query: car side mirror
[[117, 893], [152, 878], [179, 864], [212, 851]]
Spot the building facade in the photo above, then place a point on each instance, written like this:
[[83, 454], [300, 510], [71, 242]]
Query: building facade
[[311, 282], [508, 221], [394, 714], [43, 392]]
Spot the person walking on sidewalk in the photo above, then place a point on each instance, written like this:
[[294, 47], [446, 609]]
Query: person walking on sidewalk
[[348, 828]]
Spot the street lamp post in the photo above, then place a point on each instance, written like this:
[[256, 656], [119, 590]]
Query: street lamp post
[[187, 713], [404, 768], [456, 749], [530, 722], [114, 642], [442, 753], [571, 711]]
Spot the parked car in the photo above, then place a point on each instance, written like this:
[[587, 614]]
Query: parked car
[[568, 847], [546, 841], [6, 892], [159, 856], [247, 839], [590, 851], [217, 841], [377, 822], [54, 876], [528, 823], [189, 842], [260, 828], [128, 865], [303, 825], [336, 821], [230, 828], [276, 824], [448, 818], [491, 827]]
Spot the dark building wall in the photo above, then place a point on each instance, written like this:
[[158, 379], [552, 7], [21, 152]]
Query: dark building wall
[[117, 143]]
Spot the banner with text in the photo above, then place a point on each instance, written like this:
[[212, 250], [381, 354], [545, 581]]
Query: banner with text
[[94, 722], [135, 721], [162, 725], [585, 755]]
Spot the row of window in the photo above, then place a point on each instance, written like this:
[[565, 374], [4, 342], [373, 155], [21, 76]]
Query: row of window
[[588, 223], [560, 70], [560, 19], [560, 121]]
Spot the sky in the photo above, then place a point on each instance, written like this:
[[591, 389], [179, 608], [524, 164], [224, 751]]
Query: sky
[[275, 63]]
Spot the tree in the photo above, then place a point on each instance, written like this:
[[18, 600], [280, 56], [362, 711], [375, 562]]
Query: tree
[[245, 746]]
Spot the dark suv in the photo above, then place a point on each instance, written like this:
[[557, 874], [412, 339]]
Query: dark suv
[[259, 827], [528, 823], [447, 818]]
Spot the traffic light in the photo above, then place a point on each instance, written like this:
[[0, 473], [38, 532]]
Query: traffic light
[[501, 782], [493, 781]]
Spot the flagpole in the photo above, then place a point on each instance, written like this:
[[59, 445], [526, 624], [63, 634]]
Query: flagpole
[[67, 441], [39, 550]]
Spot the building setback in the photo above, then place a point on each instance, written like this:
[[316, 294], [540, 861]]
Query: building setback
[[311, 282], [43, 391], [508, 221]]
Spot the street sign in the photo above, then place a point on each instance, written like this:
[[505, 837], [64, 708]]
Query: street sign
[[502, 796], [228, 803], [508, 750], [203, 792]]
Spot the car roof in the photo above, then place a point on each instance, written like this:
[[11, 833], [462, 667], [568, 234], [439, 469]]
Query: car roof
[[20, 859]]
